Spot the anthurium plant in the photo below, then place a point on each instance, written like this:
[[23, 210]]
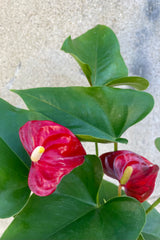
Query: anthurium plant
[[49, 184]]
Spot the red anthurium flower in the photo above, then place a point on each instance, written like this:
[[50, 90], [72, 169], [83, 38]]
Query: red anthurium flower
[[142, 173], [54, 150]]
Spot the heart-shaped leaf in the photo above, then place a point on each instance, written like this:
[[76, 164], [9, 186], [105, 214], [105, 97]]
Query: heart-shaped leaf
[[14, 191], [151, 230], [111, 221], [135, 82], [99, 114], [72, 212], [98, 54], [11, 119]]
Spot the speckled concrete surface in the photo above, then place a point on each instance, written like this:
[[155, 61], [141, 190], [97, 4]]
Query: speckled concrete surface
[[31, 35]]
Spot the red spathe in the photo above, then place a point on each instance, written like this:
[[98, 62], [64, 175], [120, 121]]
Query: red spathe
[[63, 152], [142, 181]]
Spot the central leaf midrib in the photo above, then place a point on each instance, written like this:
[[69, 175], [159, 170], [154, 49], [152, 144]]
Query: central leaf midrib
[[76, 198], [71, 222], [93, 205]]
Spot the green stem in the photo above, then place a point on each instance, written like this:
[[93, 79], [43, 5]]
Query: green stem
[[96, 147], [119, 190], [115, 146], [153, 205]]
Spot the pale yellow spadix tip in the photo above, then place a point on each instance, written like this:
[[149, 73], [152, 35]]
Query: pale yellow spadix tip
[[41, 149], [37, 153], [126, 175]]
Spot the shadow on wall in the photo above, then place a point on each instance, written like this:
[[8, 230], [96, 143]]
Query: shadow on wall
[[142, 61], [152, 10]]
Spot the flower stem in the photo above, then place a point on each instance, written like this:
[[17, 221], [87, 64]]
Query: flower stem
[[115, 146], [119, 190], [153, 205], [96, 147]]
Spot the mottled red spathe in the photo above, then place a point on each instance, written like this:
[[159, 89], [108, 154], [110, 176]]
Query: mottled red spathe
[[63, 152], [142, 181]]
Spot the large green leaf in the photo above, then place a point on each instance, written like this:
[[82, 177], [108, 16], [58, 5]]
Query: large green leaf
[[138, 83], [14, 191], [147, 236], [72, 211], [111, 221], [151, 230], [98, 53], [11, 119], [99, 114]]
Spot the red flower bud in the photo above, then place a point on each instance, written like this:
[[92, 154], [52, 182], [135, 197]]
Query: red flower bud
[[141, 182], [54, 150]]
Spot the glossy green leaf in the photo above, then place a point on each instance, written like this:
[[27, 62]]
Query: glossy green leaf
[[72, 212], [14, 191], [135, 82], [11, 119], [99, 114], [98, 54], [107, 191], [111, 221], [151, 230], [157, 143], [147, 236]]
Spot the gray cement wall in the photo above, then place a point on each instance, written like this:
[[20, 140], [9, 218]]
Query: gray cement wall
[[31, 35]]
